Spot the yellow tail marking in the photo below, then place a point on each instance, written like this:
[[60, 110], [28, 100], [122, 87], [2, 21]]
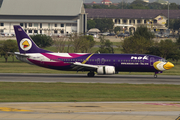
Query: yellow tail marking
[[87, 59]]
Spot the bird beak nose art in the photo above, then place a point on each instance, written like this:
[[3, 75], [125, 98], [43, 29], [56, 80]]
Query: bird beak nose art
[[161, 66], [168, 66]]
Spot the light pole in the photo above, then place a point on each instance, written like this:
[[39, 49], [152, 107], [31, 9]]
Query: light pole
[[168, 14]]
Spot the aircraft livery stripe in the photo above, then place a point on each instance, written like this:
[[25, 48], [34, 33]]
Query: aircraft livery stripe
[[87, 59]]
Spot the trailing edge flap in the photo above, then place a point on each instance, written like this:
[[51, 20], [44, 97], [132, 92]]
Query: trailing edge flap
[[80, 66], [18, 54]]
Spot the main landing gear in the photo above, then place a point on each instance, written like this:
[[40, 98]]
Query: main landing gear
[[91, 74]]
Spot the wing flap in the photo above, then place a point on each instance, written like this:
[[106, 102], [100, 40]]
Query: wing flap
[[80, 66]]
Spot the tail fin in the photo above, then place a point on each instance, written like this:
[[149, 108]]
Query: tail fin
[[25, 43]]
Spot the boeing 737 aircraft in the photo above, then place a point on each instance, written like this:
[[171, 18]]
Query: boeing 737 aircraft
[[102, 64]]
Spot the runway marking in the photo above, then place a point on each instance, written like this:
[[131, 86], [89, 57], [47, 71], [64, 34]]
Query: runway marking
[[6, 109], [163, 104]]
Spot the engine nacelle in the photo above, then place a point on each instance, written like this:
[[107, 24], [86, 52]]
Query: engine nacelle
[[106, 70]]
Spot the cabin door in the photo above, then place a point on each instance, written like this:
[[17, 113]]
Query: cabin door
[[152, 60], [101, 61], [42, 60]]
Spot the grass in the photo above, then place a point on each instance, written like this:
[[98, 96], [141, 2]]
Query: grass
[[81, 92]]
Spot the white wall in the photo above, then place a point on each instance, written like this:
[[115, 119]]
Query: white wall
[[47, 28]]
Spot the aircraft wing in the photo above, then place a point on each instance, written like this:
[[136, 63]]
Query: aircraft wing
[[80, 66]]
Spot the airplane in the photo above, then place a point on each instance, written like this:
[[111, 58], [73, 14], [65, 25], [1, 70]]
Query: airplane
[[102, 64]]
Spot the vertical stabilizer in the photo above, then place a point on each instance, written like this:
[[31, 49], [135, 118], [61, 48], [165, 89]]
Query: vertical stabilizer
[[25, 43]]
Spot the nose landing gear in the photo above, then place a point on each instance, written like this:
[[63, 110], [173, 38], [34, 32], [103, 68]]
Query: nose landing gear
[[155, 75]]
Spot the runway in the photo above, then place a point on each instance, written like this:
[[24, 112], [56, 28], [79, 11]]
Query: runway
[[90, 110], [82, 78]]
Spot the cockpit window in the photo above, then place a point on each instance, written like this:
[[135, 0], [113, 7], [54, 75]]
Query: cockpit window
[[163, 60]]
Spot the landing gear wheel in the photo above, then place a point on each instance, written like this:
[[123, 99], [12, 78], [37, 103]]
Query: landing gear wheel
[[155, 75], [90, 74]]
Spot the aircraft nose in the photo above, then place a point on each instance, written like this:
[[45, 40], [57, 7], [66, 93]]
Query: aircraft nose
[[168, 66]]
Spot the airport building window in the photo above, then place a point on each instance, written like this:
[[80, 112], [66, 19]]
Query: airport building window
[[25, 25], [74, 24], [55, 25], [30, 31], [155, 21], [35, 24], [62, 31], [115, 21], [62, 25], [2, 24], [21, 24], [35, 31], [68, 24], [145, 21], [138, 21], [40, 25], [55, 31], [30, 24]]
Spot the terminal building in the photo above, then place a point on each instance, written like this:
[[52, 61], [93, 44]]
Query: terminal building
[[130, 19], [43, 16]]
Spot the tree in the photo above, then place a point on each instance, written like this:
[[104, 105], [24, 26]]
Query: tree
[[178, 41], [90, 43], [116, 29], [96, 6], [42, 40], [8, 46], [70, 42], [176, 24], [155, 5], [81, 43], [106, 46], [91, 24], [166, 48], [144, 32], [172, 6], [140, 42], [60, 43], [104, 24], [137, 45], [139, 4], [154, 50]]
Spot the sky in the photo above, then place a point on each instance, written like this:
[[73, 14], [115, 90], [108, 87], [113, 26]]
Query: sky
[[117, 1]]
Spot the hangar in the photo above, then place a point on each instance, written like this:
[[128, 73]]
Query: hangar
[[43, 16]]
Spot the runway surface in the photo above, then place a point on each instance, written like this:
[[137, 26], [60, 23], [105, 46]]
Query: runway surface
[[90, 111], [82, 78]]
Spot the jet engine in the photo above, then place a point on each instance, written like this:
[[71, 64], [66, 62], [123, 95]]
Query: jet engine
[[106, 70]]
